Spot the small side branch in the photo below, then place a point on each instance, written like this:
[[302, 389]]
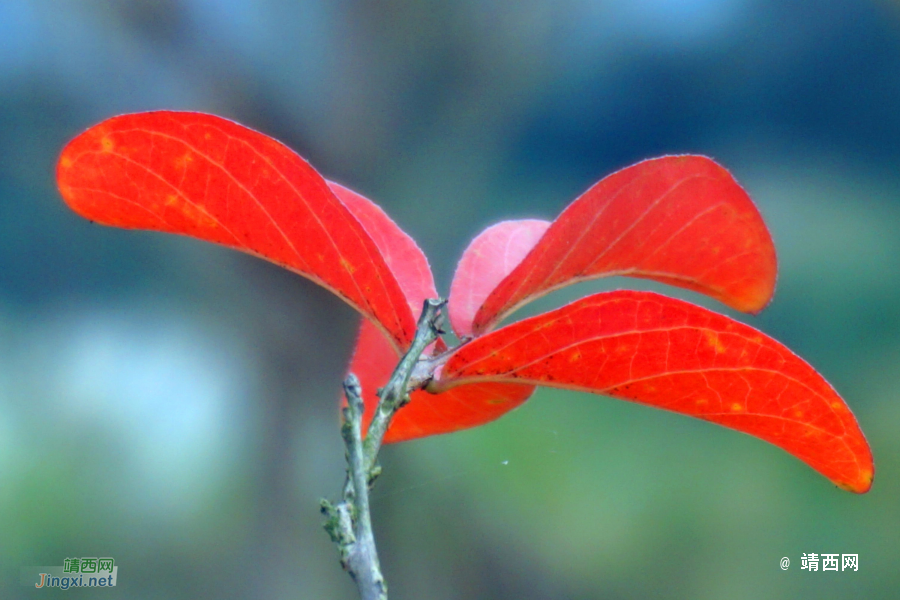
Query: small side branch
[[349, 523]]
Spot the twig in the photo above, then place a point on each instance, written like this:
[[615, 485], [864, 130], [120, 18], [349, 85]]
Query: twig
[[349, 523], [396, 393]]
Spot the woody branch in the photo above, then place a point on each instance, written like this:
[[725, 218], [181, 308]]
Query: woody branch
[[349, 522]]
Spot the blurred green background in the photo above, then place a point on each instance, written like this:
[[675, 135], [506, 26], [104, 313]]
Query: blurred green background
[[173, 404]]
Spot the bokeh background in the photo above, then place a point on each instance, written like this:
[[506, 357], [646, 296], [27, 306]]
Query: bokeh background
[[173, 404]]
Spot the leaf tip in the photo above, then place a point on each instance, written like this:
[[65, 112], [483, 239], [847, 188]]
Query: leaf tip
[[862, 483], [69, 169], [63, 178]]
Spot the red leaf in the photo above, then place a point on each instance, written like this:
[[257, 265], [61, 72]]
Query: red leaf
[[212, 179], [400, 252], [428, 414], [490, 257], [681, 220], [671, 354]]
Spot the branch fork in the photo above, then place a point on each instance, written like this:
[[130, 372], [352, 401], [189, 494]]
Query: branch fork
[[349, 522]]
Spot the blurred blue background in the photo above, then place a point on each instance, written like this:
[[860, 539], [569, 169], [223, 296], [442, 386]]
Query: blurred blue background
[[173, 404]]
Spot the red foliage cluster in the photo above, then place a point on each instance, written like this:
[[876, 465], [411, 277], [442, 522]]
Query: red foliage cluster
[[681, 220]]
